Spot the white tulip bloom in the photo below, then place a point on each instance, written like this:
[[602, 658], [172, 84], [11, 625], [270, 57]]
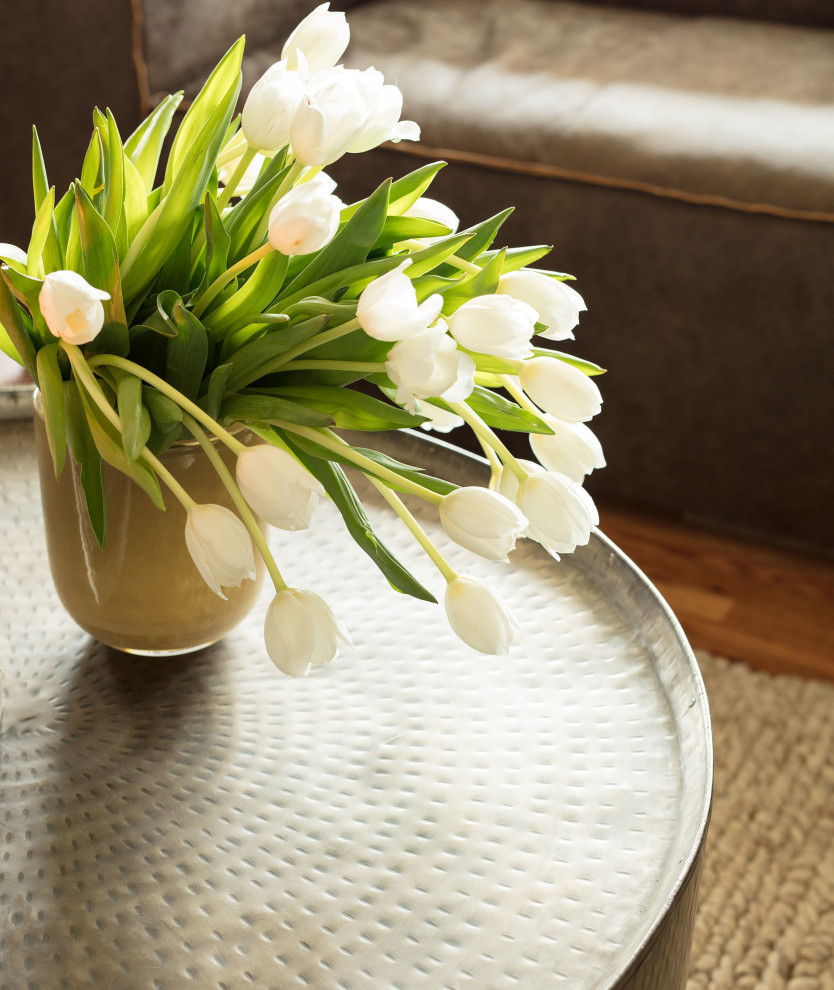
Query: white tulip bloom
[[220, 547], [277, 488], [572, 449], [304, 220], [437, 419], [557, 303], [561, 513], [300, 630], [432, 209], [496, 325], [429, 366], [271, 107], [560, 389], [71, 307], [479, 617], [388, 308], [329, 119], [482, 521], [383, 104], [321, 37]]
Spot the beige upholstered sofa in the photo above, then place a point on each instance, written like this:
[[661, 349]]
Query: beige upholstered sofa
[[681, 162]]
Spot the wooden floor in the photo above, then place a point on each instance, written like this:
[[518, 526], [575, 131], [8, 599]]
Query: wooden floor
[[771, 608]]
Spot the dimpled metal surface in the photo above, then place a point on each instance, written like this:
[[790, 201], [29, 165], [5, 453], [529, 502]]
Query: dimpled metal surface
[[413, 815]]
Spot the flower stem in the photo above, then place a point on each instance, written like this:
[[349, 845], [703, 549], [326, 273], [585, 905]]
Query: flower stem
[[419, 534], [329, 440], [519, 394], [485, 434], [241, 505], [162, 386], [454, 260], [84, 374], [223, 280], [246, 160]]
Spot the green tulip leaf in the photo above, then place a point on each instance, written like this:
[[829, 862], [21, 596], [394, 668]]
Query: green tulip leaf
[[187, 353], [255, 355], [134, 417], [255, 294], [586, 367], [51, 387], [484, 283], [224, 79], [407, 228], [256, 407], [405, 191], [165, 414], [503, 414], [144, 145], [350, 410], [217, 386], [335, 483], [101, 270], [428, 258], [84, 452], [356, 276], [41, 229], [520, 257]]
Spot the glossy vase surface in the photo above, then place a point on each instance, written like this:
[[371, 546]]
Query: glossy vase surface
[[142, 593]]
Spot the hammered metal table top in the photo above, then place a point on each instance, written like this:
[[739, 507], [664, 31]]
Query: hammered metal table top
[[413, 815]]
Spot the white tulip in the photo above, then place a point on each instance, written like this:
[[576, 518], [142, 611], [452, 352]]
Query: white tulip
[[71, 307], [304, 220], [220, 547], [300, 630], [432, 209], [437, 419], [321, 37], [560, 389], [496, 325], [557, 303], [271, 107], [388, 308], [429, 366], [278, 489], [571, 449], [482, 521], [383, 104], [329, 119], [323, 182], [561, 513], [479, 617]]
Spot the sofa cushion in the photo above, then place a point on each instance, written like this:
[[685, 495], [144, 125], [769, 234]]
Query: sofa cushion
[[709, 106]]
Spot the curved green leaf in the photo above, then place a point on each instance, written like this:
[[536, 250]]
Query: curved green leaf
[[51, 386], [144, 145], [85, 453]]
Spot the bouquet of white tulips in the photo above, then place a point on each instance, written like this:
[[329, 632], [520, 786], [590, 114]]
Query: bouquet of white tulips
[[236, 288]]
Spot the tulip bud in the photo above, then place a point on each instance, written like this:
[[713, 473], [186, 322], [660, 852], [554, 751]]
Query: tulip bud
[[271, 107], [572, 449], [329, 119], [383, 105], [71, 307], [278, 489], [303, 220], [557, 303], [388, 308], [322, 37], [479, 617], [560, 389], [429, 365], [496, 325], [432, 209], [300, 630], [561, 513], [220, 547], [482, 521]]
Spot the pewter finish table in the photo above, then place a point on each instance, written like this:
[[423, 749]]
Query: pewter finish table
[[413, 815]]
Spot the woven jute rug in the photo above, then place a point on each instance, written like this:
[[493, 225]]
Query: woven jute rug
[[766, 916]]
